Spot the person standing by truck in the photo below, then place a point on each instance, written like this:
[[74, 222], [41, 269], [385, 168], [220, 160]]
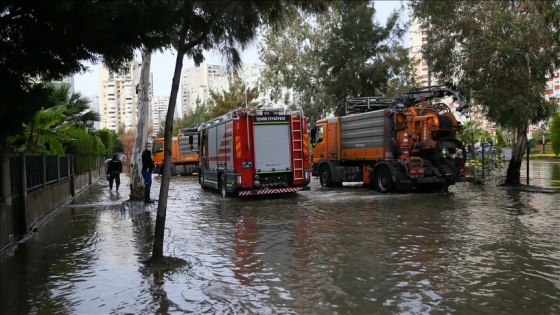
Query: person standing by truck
[[114, 170], [147, 167]]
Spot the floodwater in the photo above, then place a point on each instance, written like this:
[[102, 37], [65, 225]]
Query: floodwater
[[350, 250]]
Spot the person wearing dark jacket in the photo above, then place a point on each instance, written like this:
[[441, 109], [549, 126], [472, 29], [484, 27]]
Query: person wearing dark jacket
[[147, 167], [114, 170]]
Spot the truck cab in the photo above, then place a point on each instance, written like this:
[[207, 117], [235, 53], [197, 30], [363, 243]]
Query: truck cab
[[184, 153]]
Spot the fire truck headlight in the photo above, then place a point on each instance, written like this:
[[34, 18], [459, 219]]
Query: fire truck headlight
[[256, 183], [257, 176]]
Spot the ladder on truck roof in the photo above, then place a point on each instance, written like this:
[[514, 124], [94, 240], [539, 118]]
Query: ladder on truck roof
[[367, 104], [297, 146]]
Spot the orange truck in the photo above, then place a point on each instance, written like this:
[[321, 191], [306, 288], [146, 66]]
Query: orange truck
[[394, 144], [184, 153]]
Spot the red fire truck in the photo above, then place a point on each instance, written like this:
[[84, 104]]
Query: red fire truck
[[254, 152]]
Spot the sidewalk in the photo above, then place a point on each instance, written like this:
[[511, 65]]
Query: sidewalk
[[123, 195]]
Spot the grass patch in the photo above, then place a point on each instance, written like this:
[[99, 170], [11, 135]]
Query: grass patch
[[166, 265], [542, 156]]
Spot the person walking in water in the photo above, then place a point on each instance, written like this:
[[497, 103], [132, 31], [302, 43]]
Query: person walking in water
[[114, 170], [147, 167]]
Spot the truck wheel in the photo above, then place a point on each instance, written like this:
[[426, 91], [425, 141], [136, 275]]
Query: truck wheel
[[325, 176], [443, 163], [223, 186], [201, 179], [383, 180]]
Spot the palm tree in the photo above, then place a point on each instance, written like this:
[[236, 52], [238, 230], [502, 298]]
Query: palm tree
[[47, 131], [78, 111], [471, 134]]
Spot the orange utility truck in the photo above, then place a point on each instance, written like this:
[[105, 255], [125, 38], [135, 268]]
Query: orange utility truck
[[184, 153], [394, 144], [253, 151]]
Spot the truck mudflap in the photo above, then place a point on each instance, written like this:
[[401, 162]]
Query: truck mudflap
[[255, 192]]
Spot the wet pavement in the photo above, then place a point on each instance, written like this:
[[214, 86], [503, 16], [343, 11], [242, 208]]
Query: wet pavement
[[349, 250]]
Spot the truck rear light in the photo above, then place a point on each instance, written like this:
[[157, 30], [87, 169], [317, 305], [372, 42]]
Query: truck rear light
[[465, 169], [415, 171], [239, 179]]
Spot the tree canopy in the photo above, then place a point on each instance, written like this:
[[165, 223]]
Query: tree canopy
[[331, 56], [48, 40], [200, 114], [192, 119], [500, 53], [238, 95]]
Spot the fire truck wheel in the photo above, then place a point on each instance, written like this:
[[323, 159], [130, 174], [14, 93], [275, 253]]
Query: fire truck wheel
[[384, 180], [325, 176], [222, 186]]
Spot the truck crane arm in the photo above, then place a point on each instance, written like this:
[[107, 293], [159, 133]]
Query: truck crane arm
[[417, 95], [407, 99]]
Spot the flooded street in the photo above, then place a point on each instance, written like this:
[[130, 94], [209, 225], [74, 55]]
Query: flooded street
[[350, 250]]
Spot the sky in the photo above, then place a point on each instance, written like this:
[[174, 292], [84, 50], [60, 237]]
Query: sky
[[163, 64]]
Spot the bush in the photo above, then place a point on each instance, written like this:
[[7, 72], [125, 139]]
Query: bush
[[492, 170], [108, 138], [555, 134], [85, 148]]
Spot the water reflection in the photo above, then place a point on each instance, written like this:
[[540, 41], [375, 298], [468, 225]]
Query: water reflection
[[245, 243], [329, 251]]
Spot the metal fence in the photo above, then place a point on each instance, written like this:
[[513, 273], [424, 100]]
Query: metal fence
[[40, 169]]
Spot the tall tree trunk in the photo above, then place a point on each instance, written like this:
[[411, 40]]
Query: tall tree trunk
[[514, 168], [6, 189], [157, 252], [136, 179]]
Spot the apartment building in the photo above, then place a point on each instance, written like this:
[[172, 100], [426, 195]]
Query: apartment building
[[417, 39], [118, 102], [158, 111], [197, 82], [251, 76], [69, 80]]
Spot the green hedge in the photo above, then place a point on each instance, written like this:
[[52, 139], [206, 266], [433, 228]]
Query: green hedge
[[108, 138], [86, 149]]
